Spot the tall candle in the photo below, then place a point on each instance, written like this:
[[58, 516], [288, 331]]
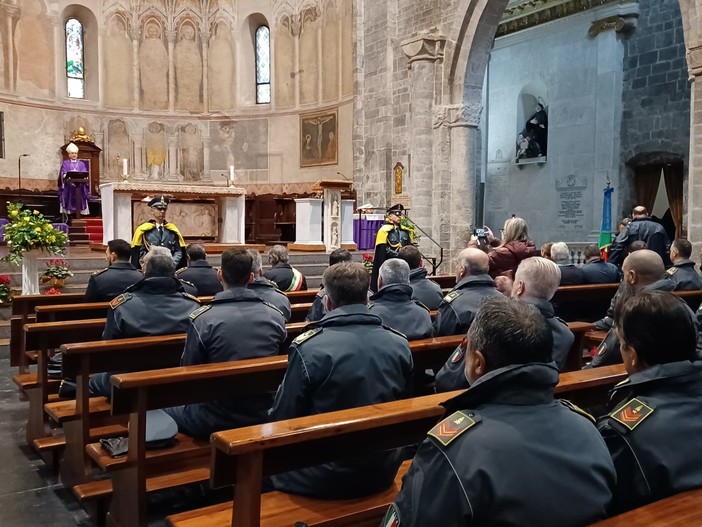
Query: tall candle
[[231, 172], [125, 167]]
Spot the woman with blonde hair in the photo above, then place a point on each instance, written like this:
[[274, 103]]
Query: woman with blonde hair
[[515, 246]]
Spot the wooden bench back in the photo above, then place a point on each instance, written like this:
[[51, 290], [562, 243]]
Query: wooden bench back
[[680, 510]]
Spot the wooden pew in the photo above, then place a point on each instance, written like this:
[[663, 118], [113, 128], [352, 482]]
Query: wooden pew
[[188, 462], [242, 457], [583, 302], [680, 510]]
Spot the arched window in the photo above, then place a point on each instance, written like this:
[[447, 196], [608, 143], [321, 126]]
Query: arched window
[[263, 65], [74, 59]]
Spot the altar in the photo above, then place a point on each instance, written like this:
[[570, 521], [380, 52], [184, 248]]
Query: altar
[[197, 211]]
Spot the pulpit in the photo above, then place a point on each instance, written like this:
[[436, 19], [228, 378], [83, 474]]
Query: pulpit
[[77, 179], [90, 153]]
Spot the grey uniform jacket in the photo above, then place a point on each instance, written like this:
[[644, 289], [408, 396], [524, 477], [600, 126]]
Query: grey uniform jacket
[[457, 310], [152, 306], [654, 434], [268, 291], [427, 292], [452, 375], [684, 276], [317, 310], [203, 276], [236, 325], [106, 284], [347, 359], [395, 307], [508, 454]]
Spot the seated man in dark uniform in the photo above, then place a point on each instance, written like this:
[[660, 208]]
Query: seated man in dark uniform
[[571, 274], [316, 312], [473, 285], [266, 289], [236, 325], [394, 305], [347, 359], [535, 282], [596, 270], [286, 277], [683, 273], [507, 452], [156, 305], [119, 274], [426, 291], [199, 272], [158, 232], [654, 430]]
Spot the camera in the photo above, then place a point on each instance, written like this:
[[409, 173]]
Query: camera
[[480, 233]]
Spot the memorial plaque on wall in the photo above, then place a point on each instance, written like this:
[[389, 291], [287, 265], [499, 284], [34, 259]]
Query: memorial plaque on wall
[[571, 193]]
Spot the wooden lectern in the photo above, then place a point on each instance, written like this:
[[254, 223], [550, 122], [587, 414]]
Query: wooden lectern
[[78, 179]]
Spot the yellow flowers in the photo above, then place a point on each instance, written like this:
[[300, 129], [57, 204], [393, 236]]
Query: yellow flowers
[[38, 229], [14, 213], [49, 227], [26, 218], [51, 239], [36, 212]]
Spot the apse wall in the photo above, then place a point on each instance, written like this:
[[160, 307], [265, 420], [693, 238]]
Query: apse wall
[[171, 86]]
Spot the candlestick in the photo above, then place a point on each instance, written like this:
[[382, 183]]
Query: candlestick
[[231, 172], [125, 167]]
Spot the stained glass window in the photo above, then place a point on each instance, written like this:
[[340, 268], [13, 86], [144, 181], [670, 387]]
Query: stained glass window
[[263, 65], [74, 58]]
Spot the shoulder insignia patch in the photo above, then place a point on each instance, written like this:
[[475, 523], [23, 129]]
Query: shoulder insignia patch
[[119, 300], [453, 295], [100, 271], [370, 305], [452, 427], [391, 518], [575, 408], [632, 413], [199, 311], [273, 307], [306, 335], [421, 305], [457, 355], [191, 297], [602, 348], [182, 269], [671, 271]]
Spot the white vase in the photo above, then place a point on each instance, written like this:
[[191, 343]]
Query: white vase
[[30, 272]]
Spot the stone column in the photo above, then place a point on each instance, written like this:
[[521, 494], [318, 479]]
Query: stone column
[[206, 176], [172, 171], [205, 36], [101, 68], [171, 36], [11, 13], [138, 160], [423, 52], [136, 35], [694, 185]]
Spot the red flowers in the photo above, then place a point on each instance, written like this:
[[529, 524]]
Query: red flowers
[[53, 291], [4, 279], [367, 257]]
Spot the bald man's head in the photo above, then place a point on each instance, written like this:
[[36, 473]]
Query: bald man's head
[[642, 268], [471, 262], [639, 212]]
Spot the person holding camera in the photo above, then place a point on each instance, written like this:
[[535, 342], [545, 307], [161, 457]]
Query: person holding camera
[[506, 255]]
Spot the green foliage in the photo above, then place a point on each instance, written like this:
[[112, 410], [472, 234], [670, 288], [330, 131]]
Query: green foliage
[[57, 269], [30, 230], [409, 226]]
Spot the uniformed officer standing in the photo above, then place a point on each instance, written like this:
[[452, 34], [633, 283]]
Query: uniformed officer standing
[[345, 360], [654, 431], [199, 272], [156, 305], [111, 281], [683, 273], [507, 452], [389, 240], [236, 325], [266, 289], [158, 232], [535, 282], [394, 305], [426, 291], [473, 285], [316, 312]]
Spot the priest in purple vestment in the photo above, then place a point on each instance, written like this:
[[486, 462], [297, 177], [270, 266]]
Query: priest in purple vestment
[[66, 190]]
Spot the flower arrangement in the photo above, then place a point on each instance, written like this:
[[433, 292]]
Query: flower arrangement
[[56, 268], [407, 225], [30, 230], [52, 291], [367, 261], [5, 291]]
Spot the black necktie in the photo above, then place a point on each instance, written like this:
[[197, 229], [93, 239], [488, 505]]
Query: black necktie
[[160, 232]]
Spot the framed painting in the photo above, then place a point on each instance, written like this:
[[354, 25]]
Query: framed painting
[[318, 139]]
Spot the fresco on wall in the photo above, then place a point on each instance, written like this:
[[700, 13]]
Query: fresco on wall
[[155, 151], [34, 45], [318, 139], [188, 69], [242, 144], [221, 69], [118, 149], [153, 68], [191, 155], [118, 65]]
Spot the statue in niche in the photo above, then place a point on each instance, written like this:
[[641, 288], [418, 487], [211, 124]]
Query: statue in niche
[[221, 69], [335, 209], [153, 68], [191, 165], [155, 146], [118, 148], [34, 45], [118, 65], [188, 69], [532, 142]]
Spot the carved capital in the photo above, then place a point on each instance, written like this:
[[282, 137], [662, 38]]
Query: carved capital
[[616, 23], [171, 36], [459, 115], [12, 11], [135, 34], [694, 60], [425, 46], [206, 141]]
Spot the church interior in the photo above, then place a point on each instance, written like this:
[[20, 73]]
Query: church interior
[[299, 123]]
